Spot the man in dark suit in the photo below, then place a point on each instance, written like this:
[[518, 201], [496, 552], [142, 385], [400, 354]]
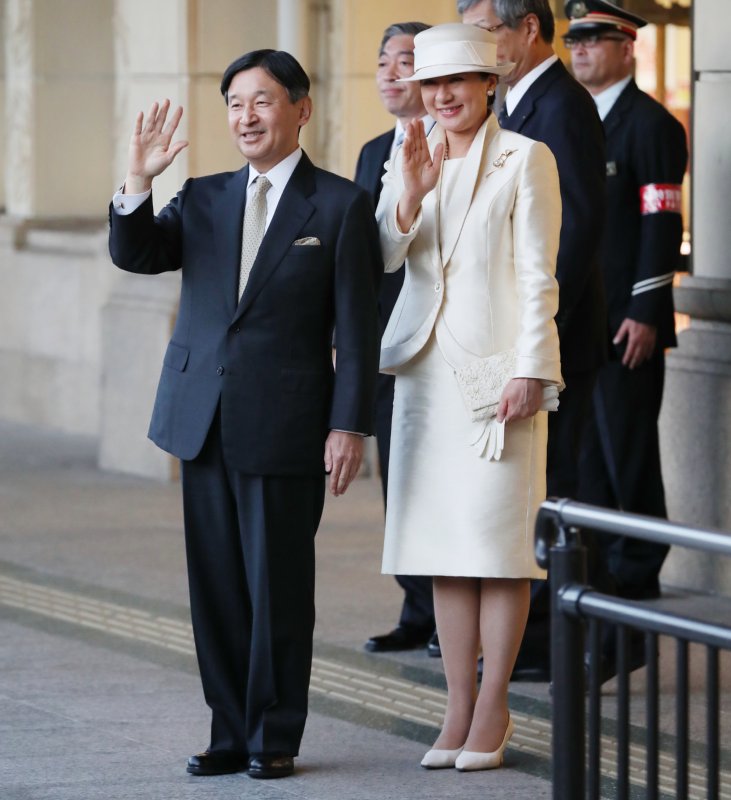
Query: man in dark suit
[[640, 251], [272, 257], [544, 102], [396, 60]]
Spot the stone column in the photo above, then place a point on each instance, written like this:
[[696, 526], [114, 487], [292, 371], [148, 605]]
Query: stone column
[[58, 58], [3, 109], [695, 424]]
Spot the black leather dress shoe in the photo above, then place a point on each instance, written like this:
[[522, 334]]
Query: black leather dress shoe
[[270, 766], [219, 762], [527, 674], [432, 646], [401, 637], [532, 669], [636, 658]]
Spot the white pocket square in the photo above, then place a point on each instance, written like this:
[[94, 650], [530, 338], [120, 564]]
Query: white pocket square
[[307, 240]]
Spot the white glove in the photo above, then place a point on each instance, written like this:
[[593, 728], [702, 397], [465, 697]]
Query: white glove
[[491, 441]]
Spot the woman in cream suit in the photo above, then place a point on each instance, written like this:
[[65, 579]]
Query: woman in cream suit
[[475, 212]]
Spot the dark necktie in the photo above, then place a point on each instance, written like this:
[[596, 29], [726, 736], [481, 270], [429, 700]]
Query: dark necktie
[[503, 115]]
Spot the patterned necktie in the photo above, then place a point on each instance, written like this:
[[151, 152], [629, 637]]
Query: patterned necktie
[[255, 217], [503, 115]]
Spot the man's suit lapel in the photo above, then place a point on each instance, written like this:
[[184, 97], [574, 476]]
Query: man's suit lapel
[[293, 211], [228, 216], [381, 154], [527, 105]]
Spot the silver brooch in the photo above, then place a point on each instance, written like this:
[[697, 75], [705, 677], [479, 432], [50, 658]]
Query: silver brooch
[[502, 158]]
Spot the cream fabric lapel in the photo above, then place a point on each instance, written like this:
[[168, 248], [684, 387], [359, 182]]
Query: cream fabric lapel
[[469, 174]]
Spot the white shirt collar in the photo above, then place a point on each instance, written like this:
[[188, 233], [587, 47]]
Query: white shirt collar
[[279, 174], [515, 93], [605, 100], [426, 119]]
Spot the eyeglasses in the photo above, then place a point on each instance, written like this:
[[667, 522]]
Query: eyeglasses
[[494, 28], [589, 42]]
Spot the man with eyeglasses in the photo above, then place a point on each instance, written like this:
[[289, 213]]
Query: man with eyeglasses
[[640, 251], [546, 103]]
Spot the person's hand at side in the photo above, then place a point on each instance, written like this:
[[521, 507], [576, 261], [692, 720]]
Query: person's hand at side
[[420, 172], [641, 340], [151, 150], [521, 398], [343, 455]]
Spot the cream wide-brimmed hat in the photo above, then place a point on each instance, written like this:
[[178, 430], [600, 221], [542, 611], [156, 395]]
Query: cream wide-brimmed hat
[[453, 48]]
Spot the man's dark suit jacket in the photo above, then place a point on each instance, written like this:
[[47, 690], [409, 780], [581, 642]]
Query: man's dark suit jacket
[[368, 174], [558, 111], [266, 359]]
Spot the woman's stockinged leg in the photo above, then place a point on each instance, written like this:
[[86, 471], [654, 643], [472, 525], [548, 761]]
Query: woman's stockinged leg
[[457, 613], [504, 605]]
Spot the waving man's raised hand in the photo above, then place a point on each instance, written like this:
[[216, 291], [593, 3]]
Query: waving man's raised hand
[[150, 148]]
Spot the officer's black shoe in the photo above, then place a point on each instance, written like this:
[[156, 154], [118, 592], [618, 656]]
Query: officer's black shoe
[[432, 646], [402, 637], [218, 762]]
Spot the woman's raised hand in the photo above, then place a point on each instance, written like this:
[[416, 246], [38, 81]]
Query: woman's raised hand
[[150, 148], [420, 172]]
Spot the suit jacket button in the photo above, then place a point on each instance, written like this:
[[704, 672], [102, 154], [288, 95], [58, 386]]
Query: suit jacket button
[[437, 286], [220, 370]]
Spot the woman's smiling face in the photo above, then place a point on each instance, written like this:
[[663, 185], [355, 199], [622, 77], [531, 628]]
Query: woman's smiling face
[[458, 102]]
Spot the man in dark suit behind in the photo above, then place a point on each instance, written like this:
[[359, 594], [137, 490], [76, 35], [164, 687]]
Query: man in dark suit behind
[[544, 102], [640, 251], [272, 256], [396, 60]]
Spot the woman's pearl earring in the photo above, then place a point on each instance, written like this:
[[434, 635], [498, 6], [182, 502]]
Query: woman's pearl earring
[[490, 92]]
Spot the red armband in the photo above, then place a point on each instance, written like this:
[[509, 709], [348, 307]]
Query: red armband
[[658, 197]]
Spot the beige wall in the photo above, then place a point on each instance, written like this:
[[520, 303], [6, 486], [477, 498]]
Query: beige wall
[[361, 25], [2, 105]]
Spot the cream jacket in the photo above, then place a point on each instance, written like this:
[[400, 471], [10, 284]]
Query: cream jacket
[[490, 285]]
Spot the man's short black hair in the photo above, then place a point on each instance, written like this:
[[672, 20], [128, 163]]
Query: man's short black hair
[[278, 64]]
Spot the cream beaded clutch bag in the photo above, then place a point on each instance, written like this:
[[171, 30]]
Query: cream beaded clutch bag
[[482, 382]]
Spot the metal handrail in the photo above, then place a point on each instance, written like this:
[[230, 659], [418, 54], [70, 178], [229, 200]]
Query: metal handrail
[[571, 514], [577, 599], [558, 546]]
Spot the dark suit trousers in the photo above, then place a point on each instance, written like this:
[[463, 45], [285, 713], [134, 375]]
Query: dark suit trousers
[[565, 428], [417, 610], [620, 468], [251, 571]]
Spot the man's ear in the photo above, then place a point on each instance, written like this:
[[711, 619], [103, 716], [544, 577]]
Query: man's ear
[[628, 51], [533, 27], [305, 111]]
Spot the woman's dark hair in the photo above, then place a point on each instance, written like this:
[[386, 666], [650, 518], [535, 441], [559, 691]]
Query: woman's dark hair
[[278, 64]]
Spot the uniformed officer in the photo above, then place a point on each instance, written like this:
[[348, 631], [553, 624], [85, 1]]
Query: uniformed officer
[[640, 251]]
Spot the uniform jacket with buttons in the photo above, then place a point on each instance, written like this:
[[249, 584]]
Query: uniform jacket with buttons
[[646, 155], [266, 359]]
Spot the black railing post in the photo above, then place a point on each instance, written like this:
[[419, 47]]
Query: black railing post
[[567, 565]]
